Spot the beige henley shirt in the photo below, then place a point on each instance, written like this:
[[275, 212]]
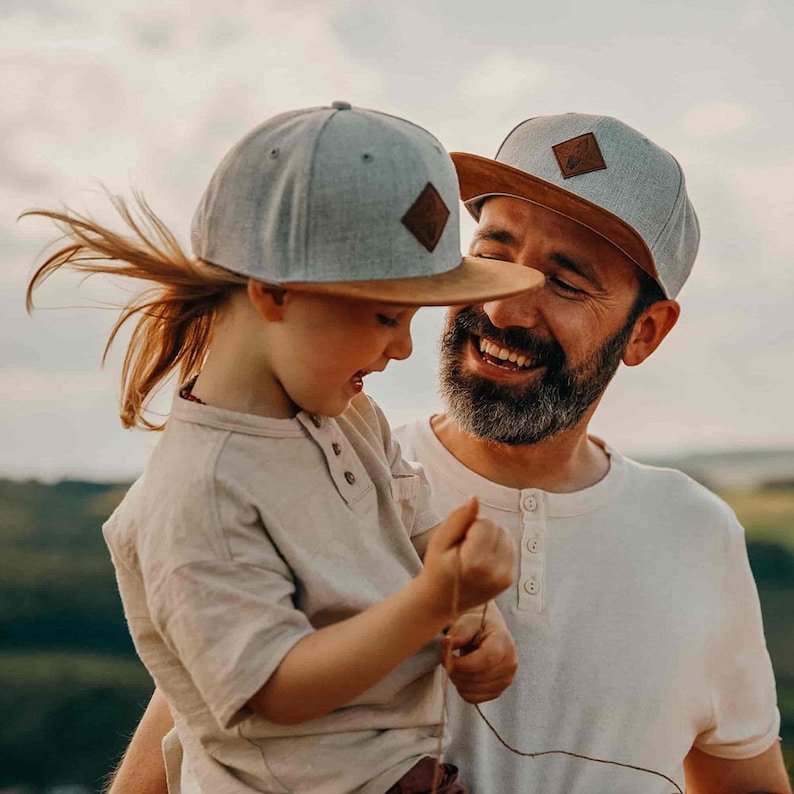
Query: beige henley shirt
[[243, 535]]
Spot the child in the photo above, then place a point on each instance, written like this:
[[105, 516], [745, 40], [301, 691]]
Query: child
[[267, 557]]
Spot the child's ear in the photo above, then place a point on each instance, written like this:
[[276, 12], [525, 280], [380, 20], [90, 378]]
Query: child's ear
[[267, 300]]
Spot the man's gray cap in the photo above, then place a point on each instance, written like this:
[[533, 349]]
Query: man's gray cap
[[603, 174], [345, 201]]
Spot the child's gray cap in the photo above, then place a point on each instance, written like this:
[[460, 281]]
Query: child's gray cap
[[346, 201], [603, 174]]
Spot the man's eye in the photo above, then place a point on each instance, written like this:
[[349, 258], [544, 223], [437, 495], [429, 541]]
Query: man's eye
[[384, 319], [566, 287]]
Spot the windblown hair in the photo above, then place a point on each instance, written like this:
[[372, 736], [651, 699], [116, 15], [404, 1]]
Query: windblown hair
[[175, 316]]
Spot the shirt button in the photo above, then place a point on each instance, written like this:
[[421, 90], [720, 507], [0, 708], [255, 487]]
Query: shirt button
[[350, 477], [315, 420], [530, 503], [532, 586], [533, 544], [336, 448]]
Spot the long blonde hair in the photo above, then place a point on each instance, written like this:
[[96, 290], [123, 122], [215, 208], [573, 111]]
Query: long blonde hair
[[175, 315]]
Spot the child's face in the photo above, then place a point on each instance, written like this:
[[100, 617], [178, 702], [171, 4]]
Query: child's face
[[326, 345]]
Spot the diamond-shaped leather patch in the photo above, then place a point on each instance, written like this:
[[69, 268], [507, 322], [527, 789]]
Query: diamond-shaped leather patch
[[427, 217], [579, 155]]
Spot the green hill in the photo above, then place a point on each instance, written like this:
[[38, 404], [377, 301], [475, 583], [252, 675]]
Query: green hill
[[69, 676]]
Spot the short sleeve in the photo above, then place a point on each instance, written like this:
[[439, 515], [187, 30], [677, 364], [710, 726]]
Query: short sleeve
[[425, 516], [745, 719], [230, 624]]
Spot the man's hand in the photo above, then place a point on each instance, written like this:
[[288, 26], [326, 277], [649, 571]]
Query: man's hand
[[488, 659]]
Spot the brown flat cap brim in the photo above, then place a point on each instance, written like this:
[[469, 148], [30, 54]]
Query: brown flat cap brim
[[480, 178], [474, 280]]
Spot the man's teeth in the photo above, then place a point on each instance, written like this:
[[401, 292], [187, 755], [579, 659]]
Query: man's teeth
[[503, 354]]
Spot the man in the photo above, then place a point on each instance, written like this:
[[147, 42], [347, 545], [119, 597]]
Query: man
[[634, 611]]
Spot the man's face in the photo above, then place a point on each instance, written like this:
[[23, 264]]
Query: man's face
[[525, 368]]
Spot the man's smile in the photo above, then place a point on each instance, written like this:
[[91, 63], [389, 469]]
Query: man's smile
[[490, 359], [495, 353]]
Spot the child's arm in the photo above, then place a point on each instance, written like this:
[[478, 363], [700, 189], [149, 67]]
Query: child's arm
[[332, 666]]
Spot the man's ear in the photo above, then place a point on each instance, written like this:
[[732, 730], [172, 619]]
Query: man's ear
[[650, 329], [267, 300]]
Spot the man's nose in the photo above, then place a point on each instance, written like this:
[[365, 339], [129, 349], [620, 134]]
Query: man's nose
[[520, 310]]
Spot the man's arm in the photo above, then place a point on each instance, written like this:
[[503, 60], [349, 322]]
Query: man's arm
[[142, 769], [763, 774]]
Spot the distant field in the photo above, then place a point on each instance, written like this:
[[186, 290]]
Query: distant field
[[84, 705], [767, 514], [29, 670]]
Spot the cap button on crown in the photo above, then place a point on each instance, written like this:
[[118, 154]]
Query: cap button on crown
[[341, 105]]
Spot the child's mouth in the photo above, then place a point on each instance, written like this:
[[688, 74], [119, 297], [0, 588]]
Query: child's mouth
[[358, 380]]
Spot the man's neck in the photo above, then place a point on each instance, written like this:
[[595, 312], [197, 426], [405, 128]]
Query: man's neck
[[567, 462]]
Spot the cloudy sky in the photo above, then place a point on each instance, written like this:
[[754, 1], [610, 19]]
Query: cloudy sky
[[151, 95]]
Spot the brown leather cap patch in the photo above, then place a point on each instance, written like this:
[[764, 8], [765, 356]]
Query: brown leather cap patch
[[579, 155], [427, 217]]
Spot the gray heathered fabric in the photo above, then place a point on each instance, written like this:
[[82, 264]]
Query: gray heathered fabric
[[318, 195], [642, 183]]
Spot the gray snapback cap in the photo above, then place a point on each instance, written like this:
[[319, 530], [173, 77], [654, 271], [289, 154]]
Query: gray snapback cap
[[345, 201], [603, 174]]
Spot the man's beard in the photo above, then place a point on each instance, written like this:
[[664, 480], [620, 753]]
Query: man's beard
[[515, 415]]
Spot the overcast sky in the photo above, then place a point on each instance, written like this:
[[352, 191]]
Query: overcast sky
[[152, 95]]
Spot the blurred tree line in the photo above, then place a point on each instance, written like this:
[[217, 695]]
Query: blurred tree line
[[71, 687]]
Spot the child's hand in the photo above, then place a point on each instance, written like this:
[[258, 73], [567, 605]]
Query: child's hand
[[477, 550], [488, 660]]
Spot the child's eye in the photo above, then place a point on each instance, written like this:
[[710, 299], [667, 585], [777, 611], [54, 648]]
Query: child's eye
[[384, 319]]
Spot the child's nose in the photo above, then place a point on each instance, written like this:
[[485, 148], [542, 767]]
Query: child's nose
[[401, 346]]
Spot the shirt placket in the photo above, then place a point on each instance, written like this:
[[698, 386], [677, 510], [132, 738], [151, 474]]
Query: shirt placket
[[532, 554], [344, 466]]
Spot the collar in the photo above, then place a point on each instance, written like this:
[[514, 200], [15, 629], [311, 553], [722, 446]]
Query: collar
[[197, 413], [501, 497]]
